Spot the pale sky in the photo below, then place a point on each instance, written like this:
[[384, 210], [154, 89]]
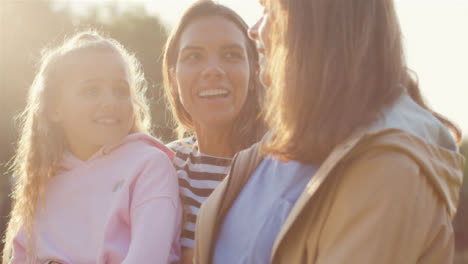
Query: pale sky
[[436, 43]]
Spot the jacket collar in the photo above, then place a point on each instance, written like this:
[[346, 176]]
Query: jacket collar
[[406, 115]]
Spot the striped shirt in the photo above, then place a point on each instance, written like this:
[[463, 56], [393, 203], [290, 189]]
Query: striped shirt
[[199, 174]]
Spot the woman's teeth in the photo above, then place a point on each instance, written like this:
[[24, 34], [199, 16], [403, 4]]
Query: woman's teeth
[[212, 92]]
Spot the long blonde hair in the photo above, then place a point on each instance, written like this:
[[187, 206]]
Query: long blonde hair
[[41, 143]]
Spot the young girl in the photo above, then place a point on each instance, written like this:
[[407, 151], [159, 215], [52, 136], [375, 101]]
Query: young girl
[[211, 83], [91, 187]]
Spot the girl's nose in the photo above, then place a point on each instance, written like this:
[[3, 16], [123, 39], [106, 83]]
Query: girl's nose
[[109, 100], [106, 107]]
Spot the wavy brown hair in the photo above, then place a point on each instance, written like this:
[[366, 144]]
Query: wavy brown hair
[[41, 141], [248, 127], [333, 66]]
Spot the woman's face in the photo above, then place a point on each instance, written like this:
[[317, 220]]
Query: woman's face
[[260, 33], [211, 75]]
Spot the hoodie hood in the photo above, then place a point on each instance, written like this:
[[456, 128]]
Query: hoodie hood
[[70, 161], [408, 116], [136, 137], [407, 127]]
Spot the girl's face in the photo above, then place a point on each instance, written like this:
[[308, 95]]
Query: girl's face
[[211, 76], [260, 33], [95, 105]]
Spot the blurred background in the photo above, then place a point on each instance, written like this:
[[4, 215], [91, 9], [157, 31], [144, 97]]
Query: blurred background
[[436, 41]]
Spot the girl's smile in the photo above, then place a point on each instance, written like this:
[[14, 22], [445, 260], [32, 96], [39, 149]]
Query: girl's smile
[[95, 105]]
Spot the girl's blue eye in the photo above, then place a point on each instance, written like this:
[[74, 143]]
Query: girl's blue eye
[[192, 56], [90, 90]]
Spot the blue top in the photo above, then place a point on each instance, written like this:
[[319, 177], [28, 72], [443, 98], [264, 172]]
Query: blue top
[[256, 217]]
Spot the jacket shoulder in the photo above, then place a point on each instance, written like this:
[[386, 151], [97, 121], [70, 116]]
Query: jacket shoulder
[[384, 210], [441, 167], [381, 166]]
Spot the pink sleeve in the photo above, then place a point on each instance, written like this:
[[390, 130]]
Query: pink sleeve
[[153, 231], [19, 251], [155, 214]]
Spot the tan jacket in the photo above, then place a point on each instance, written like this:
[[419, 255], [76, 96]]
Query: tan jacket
[[384, 195]]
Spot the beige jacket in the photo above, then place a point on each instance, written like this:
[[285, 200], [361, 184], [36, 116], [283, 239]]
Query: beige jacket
[[385, 195]]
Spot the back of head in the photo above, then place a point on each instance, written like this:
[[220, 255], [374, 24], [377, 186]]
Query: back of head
[[334, 65], [41, 141], [247, 127]]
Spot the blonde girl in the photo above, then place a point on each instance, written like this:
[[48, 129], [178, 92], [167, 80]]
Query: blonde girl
[[91, 186]]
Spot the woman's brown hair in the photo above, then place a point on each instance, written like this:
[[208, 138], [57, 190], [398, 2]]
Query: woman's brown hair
[[248, 126], [333, 66]]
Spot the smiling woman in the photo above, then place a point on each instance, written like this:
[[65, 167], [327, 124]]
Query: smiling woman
[[212, 74], [210, 79]]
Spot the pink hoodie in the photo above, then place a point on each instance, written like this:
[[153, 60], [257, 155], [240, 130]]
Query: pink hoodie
[[120, 206]]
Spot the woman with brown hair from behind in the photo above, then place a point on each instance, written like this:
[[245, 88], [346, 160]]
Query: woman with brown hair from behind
[[356, 168]]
